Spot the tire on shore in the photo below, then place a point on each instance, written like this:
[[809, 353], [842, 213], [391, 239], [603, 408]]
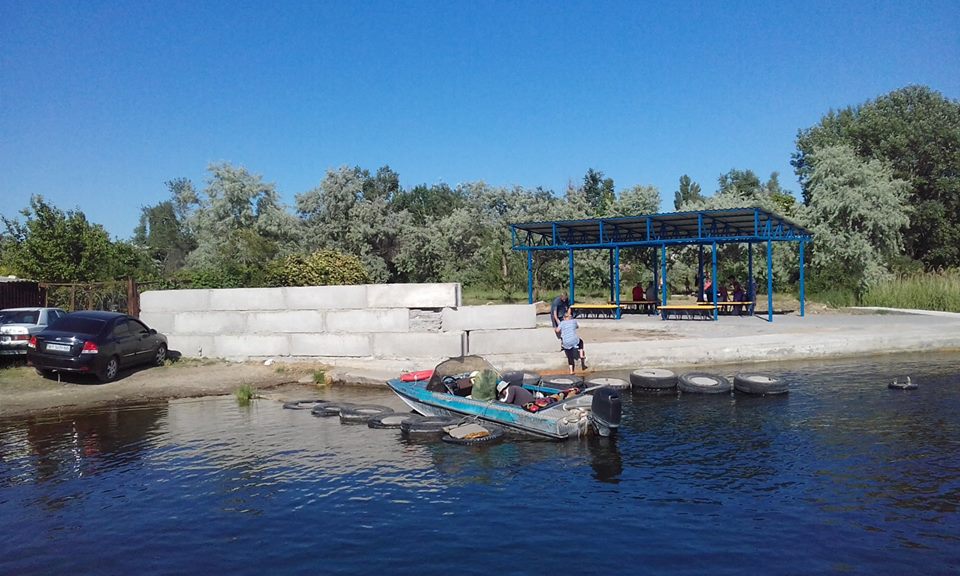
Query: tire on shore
[[756, 383], [653, 380], [703, 383]]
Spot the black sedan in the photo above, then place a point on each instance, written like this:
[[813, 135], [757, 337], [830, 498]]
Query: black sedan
[[99, 343]]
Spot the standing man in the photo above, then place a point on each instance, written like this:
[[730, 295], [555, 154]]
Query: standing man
[[558, 309], [571, 343]]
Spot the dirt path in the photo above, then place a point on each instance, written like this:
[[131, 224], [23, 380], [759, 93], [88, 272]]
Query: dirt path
[[23, 392]]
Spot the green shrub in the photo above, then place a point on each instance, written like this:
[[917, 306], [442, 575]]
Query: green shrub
[[322, 268], [244, 394]]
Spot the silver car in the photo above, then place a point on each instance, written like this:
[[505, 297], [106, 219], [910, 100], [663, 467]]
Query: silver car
[[17, 325]]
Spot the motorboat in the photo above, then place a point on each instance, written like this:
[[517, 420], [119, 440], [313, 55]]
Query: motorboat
[[450, 390]]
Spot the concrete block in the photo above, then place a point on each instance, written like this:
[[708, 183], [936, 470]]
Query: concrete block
[[241, 347], [494, 317], [209, 323], [284, 322], [383, 320], [174, 300], [519, 341], [160, 321], [341, 345], [235, 299], [418, 345], [191, 346], [325, 297], [413, 295]]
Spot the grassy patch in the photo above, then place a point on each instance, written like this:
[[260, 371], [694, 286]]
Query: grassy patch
[[923, 291], [320, 377], [244, 394]]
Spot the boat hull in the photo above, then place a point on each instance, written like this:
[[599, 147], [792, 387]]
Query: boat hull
[[555, 423]]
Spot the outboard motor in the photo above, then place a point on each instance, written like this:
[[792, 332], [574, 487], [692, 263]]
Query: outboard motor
[[606, 410]]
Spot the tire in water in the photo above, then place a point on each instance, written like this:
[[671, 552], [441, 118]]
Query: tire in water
[[755, 383], [304, 404], [426, 425], [330, 409], [361, 413], [653, 380], [391, 419], [495, 434], [615, 383], [703, 383]]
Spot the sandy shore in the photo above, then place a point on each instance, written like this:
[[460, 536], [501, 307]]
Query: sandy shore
[[634, 341]]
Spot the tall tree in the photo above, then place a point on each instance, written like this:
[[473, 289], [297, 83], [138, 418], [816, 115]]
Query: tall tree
[[688, 193], [916, 132], [162, 230], [857, 213], [598, 191]]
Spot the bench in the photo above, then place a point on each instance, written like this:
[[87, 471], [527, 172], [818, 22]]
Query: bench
[[648, 306], [690, 310], [595, 310]]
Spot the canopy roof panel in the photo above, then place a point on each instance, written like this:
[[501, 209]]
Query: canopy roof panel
[[698, 227]]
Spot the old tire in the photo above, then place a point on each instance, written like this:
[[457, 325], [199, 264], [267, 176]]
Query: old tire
[[755, 383], [615, 383], [653, 380], [304, 404], [426, 425], [703, 383], [520, 377], [330, 409], [361, 413], [561, 382], [110, 370], [391, 419], [495, 435]]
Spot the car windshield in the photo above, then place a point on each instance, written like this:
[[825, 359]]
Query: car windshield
[[78, 325], [20, 317]]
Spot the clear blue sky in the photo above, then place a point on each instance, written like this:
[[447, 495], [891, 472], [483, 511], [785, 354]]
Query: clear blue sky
[[102, 102]]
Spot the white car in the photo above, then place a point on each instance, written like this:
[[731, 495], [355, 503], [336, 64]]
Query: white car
[[17, 325]]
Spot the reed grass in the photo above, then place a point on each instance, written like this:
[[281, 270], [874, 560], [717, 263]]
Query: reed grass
[[923, 291], [244, 394]]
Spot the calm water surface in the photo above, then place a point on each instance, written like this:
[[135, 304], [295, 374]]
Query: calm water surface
[[841, 476]]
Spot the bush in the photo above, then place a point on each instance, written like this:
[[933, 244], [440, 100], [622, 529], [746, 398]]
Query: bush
[[923, 291], [322, 268]]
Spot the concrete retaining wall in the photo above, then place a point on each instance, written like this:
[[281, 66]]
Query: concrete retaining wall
[[386, 321]]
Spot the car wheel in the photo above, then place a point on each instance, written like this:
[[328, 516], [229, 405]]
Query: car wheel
[[160, 356], [110, 370]]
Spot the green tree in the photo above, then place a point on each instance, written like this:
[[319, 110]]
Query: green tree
[[688, 193], [239, 225], [322, 268], [51, 245], [857, 213], [162, 230], [598, 191], [916, 132], [636, 201]]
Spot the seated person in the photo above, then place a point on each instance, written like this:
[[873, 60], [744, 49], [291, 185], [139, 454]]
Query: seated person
[[722, 293], [738, 292], [513, 394], [638, 292]]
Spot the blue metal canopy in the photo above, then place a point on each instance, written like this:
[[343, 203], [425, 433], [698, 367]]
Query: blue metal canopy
[[702, 227]]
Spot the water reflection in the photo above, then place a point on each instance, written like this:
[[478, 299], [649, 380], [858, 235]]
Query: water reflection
[[63, 447]]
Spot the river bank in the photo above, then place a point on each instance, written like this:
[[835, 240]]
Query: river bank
[[634, 341]]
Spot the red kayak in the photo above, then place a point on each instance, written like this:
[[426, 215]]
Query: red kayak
[[416, 376]]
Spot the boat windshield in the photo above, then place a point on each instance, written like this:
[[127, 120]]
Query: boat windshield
[[455, 367]]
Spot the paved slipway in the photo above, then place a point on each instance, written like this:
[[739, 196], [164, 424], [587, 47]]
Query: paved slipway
[[646, 341]]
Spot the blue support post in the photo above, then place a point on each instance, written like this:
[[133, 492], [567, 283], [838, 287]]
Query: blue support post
[[616, 275], [802, 294], [610, 277], [529, 276], [662, 287], [713, 284], [770, 280], [699, 272], [751, 285], [572, 292]]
